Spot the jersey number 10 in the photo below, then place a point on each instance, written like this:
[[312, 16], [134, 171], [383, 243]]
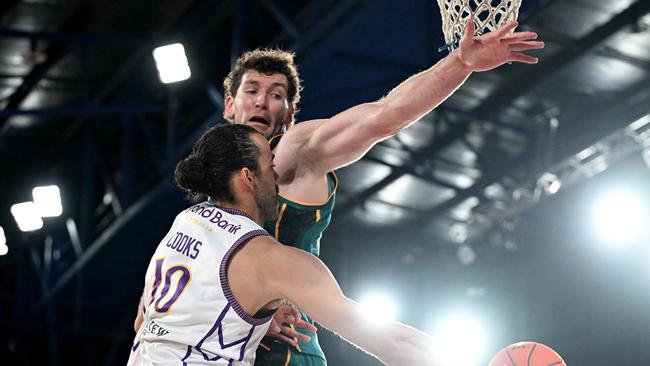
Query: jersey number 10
[[177, 277]]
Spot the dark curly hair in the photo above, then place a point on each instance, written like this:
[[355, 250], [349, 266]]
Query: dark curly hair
[[265, 61], [220, 151]]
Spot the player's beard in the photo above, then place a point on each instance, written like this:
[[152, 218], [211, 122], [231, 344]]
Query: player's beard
[[267, 201]]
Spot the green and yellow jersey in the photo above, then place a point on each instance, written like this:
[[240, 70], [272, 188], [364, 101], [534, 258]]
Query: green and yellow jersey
[[300, 225]]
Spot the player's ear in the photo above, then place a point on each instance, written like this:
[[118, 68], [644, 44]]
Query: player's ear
[[288, 119], [229, 107], [247, 177]]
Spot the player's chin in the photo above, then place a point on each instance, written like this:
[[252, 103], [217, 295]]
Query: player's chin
[[264, 129]]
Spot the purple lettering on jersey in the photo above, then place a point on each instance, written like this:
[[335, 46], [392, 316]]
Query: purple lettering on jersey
[[215, 216], [196, 249], [224, 224], [182, 243], [186, 248], [207, 212], [173, 244]]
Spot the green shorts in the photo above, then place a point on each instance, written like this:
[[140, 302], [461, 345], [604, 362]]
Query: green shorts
[[276, 353]]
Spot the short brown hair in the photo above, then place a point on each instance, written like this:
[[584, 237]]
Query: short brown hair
[[265, 61]]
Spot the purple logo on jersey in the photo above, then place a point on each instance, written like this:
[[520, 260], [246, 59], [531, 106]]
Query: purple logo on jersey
[[216, 217]]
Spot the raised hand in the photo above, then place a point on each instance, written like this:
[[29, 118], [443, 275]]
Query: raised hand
[[496, 48], [280, 328]]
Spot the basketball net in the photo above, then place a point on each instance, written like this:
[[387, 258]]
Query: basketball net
[[488, 16]]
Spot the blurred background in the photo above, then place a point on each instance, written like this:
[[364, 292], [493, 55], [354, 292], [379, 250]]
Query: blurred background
[[518, 210]]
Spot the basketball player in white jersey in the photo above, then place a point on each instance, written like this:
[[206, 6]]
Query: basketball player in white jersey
[[216, 278], [263, 92]]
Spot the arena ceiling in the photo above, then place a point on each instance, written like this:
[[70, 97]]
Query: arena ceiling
[[82, 107]]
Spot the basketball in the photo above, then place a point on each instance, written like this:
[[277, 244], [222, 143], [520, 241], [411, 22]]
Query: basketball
[[527, 354]]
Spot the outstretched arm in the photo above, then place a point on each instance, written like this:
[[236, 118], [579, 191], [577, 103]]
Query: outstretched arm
[[308, 283], [346, 137]]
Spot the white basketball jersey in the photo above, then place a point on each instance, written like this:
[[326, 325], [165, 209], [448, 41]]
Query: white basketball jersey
[[190, 315]]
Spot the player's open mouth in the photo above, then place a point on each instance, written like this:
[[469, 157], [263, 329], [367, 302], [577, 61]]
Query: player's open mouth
[[260, 120]]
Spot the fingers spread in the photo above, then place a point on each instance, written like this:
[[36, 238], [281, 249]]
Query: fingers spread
[[308, 327], [288, 340], [520, 57], [524, 46], [506, 29], [519, 36], [287, 331]]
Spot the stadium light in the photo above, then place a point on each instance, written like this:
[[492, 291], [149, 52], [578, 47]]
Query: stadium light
[[26, 216], [459, 340], [378, 308], [619, 217], [47, 200], [550, 183], [171, 63]]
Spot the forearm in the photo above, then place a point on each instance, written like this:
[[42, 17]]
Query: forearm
[[412, 347], [392, 343], [347, 136], [422, 92]]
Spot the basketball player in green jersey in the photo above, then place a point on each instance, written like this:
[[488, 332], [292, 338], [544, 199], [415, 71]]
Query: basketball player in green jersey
[[263, 90]]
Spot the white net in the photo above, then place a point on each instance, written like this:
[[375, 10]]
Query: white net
[[488, 15]]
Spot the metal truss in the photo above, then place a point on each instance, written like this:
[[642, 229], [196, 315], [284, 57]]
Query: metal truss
[[521, 85], [418, 163], [613, 148]]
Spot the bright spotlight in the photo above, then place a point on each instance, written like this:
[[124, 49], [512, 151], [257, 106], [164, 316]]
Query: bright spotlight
[[378, 308], [4, 250], [171, 63], [550, 183], [619, 217], [459, 340], [47, 200], [26, 216]]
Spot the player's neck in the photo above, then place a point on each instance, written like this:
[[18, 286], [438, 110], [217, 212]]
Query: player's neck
[[249, 208]]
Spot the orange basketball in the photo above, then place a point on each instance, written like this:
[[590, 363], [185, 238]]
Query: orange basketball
[[527, 354]]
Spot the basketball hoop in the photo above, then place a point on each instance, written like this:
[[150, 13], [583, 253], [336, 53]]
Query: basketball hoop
[[488, 15]]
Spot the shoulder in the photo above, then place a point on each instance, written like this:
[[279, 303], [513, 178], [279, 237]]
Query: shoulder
[[269, 253], [299, 135], [294, 153]]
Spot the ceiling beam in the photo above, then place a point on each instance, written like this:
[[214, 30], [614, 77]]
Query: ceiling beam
[[436, 146], [55, 52], [520, 85]]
